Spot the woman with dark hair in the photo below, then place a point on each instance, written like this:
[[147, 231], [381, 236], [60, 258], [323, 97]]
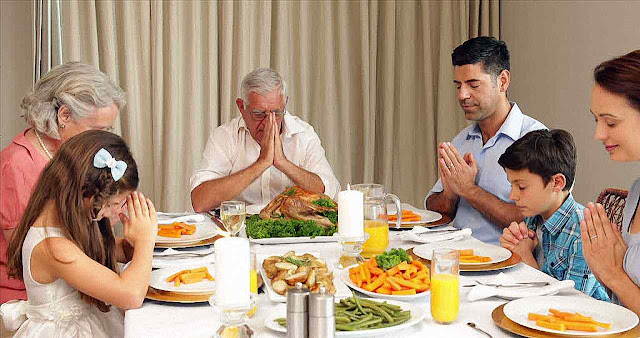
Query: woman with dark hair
[[64, 248], [614, 257]]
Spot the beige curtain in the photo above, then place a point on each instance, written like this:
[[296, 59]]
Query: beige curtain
[[373, 78], [47, 36]]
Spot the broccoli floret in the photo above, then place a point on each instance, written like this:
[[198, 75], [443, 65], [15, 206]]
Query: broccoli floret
[[331, 215], [324, 202], [310, 229], [392, 258]]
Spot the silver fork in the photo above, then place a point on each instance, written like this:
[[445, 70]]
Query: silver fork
[[473, 325], [514, 285], [430, 232]]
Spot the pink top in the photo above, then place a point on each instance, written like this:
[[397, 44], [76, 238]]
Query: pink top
[[20, 167]]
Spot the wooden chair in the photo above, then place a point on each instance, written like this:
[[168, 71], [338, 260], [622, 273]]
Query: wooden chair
[[613, 201]]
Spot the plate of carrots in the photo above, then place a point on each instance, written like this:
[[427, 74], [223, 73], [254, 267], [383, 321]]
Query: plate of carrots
[[194, 279], [412, 215], [471, 252], [405, 281], [183, 233], [571, 316]]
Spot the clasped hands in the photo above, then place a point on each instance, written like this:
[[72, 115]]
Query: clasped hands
[[518, 238], [271, 151], [602, 244], [457, 173]]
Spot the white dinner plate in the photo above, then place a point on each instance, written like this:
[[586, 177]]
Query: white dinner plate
[[418, 313], [620, 318], [341, 289], [204, 230], [159, 277], [344, 276], [498, 254], [426, 216]]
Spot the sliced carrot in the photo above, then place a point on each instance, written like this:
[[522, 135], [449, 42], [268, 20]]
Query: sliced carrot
[[404, 292]]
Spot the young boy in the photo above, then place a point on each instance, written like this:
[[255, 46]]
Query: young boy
[[541, 167]]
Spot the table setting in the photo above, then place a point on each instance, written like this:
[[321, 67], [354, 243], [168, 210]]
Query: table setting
[[435, 280]]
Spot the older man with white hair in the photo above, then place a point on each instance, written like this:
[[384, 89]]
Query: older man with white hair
[[255, 156]]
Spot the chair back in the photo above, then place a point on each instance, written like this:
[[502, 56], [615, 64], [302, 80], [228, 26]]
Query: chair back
[[613, 201]]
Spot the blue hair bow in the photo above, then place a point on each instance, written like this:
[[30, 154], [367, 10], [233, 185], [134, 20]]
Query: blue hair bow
[[104, 159]]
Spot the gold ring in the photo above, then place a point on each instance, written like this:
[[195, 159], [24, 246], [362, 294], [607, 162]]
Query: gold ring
[[593, 237]]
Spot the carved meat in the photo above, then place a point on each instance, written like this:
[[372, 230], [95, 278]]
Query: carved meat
[[297, 203]]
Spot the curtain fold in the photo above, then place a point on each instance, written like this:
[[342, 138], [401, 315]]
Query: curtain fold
[[373, 78], [47, 36]]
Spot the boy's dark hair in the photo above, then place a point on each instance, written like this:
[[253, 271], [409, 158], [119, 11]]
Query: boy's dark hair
[[492, 52], [544, 153]]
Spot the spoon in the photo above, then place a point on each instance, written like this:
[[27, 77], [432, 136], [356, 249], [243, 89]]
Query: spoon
[[473, 326]]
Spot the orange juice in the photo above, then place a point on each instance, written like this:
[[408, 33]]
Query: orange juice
[[378, 238], [445, 297], [253, 280]]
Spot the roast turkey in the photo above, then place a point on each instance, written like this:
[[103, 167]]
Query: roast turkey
[[297, 203]]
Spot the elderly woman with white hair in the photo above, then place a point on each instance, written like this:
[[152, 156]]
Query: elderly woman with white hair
[[71, 98]]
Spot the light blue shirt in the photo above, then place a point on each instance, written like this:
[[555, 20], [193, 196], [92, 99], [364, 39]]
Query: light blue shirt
[[491, 176]]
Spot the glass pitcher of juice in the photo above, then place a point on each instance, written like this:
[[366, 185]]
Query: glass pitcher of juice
[[376, 222], [445, 285]]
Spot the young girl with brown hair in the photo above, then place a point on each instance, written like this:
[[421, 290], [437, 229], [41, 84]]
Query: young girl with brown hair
[[64, 248]]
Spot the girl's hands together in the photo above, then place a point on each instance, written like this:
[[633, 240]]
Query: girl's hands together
[[142, 223]]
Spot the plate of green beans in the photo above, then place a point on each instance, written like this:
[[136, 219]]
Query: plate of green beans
[[356, 316]]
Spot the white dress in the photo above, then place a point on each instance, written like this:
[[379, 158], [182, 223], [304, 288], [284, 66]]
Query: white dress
[[56, 309]]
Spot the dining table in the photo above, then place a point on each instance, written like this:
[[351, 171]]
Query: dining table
[[163, 319]]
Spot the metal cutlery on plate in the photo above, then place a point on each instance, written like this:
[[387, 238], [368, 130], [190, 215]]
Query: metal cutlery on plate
[[513, 285]]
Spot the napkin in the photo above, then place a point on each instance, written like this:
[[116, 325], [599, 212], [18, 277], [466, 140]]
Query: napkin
[[168, 218], [481, 291], [164, 259], [420, 235]]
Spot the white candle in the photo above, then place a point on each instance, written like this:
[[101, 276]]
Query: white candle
[[351, 213], [232, 272]]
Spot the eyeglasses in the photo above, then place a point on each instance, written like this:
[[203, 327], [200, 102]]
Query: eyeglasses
[[261, 115]]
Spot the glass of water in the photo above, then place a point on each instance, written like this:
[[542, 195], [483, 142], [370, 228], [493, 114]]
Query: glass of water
[[233, 214]]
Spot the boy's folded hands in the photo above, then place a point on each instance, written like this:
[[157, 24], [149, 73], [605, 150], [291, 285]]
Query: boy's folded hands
[[518, 238]]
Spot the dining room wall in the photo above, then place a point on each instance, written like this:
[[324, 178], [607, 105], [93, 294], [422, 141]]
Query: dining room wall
[[16, 55], [555, 45]]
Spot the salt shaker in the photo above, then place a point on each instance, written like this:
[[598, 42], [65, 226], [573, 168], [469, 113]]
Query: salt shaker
[[297, 312], [322, 322]]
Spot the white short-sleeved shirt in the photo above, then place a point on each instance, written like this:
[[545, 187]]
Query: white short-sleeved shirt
[[231, 148], [491, 176]]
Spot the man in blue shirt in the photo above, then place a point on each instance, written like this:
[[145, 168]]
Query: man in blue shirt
[[472, 188]]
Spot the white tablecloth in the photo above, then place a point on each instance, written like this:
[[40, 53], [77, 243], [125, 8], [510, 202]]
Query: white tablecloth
[[158, 319]]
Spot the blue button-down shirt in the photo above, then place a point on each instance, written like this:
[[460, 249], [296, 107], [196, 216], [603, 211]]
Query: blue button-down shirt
[[562, 248], [491, 177]]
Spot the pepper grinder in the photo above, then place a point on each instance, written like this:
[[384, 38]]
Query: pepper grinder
[[297, 312], [322, 322]]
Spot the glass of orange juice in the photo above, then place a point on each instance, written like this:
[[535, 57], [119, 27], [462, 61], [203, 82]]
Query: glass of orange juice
[[445, 285], [376, 225], [253, 284]]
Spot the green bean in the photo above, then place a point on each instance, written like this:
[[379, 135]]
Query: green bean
[[343, 320], [377, 310], [281, 321], [355, 299]]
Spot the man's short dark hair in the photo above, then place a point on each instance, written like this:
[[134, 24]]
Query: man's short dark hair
[[544, 153], [492, 52]]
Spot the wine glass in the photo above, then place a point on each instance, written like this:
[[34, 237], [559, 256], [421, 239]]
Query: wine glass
[[233, 214]]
